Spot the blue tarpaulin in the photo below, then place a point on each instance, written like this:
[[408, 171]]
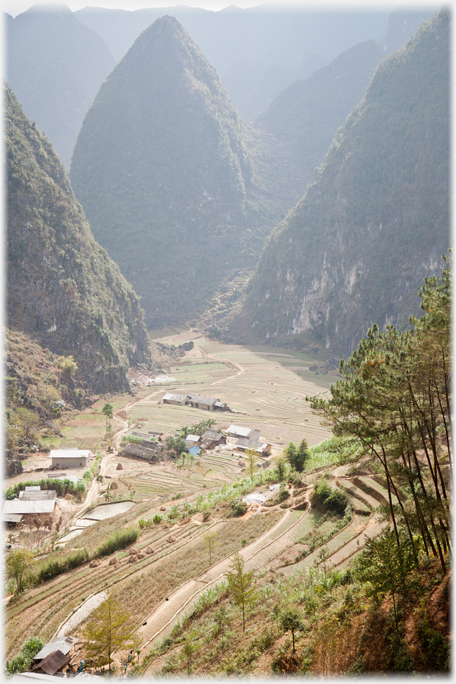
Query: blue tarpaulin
[[194, 450]]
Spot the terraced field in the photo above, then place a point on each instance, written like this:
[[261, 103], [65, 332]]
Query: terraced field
[[265, 389], [261, 385]]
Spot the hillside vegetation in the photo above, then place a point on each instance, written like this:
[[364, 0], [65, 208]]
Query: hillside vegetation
[[356, 247], [307, 114], [71, 300], [386, 609], [166, 171], [345, 565]]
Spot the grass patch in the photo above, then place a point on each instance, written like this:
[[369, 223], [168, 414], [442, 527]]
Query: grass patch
[[118, 540]]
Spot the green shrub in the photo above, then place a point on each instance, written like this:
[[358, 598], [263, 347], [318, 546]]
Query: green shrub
[[324, 497], [132, 439], [239, 507], [173, 512], [22, 662], [56, 567], [118, 540], [62, 487], [157, 519]]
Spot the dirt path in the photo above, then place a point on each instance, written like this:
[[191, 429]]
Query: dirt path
[[93, 493], [81, 613], [230, 377], [268, 545]]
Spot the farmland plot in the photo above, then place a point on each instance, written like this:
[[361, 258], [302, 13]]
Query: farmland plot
[[265, 391]]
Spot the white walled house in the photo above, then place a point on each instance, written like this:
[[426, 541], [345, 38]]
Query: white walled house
[[69, 458], [235, 432]]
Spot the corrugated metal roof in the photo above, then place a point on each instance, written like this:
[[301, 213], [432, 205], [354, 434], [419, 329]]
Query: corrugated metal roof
[[243, 443], [23, 507], [69, 453], [194, 438], [63, 644], [34, 488], [37, 496], [174, 397], [11, 517], [239, 431], [31, 677], [211, 434], [53, 662], [199, 399]]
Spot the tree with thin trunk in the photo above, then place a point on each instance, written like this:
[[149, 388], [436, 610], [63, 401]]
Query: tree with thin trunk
[[188, 650], [211, 541], [290, 619], [395, 398], [108, 631], [108, 411], [18, 566], [323, 556], [252, 458], [387, 567], [241, 585]]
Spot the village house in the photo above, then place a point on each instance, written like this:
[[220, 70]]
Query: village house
[[211, 439], [29, 512], [235, 432], [243, 438], [55, 655], [177, 399], [37, 494], [196, 401], [191, 441], [242, 444], [152, 451], [69, 458]]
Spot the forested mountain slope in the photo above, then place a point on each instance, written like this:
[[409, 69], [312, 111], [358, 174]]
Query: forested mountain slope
[[256, 51], [357, 246], [306, 116], [167, 173], [55, 66], [402, 25], [63, 289]]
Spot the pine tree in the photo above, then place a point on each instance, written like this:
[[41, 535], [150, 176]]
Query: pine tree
[[241, 585], [395, 399], [107, 632], [210, 539]]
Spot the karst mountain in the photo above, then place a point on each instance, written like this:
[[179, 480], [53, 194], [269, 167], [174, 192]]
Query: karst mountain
[[167, 173], [306, 115], [55, 66], [356, 248]]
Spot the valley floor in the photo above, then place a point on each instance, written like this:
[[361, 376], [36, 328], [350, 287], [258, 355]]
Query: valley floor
[[172, 572]]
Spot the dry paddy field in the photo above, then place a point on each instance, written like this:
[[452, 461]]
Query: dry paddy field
[[266, 389]]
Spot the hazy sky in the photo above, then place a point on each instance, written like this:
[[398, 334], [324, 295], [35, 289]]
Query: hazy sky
[[15, 7]]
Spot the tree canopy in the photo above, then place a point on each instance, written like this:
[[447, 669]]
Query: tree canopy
[[108, 631], [394, 396], [241, 585]]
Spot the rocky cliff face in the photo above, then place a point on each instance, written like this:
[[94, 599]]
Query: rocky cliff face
[[63, 289], [165, 169], [356, 248]]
